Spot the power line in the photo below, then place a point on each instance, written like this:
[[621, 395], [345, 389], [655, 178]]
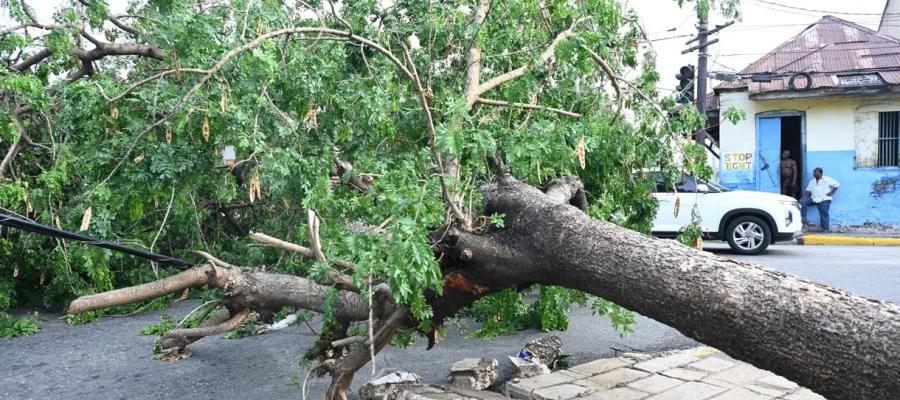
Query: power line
[[34, 227], [820, 11], [670, 37]]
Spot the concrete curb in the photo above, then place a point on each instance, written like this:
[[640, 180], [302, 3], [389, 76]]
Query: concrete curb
[[824, 240]]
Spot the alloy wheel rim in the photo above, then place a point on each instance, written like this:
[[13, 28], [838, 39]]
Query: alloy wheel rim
[[748, 235]]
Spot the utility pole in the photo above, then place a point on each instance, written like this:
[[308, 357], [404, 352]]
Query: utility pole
[[702, 70], [703, 44]]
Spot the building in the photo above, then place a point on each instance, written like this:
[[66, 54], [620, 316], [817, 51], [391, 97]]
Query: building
[[830, 95], [890, 19]]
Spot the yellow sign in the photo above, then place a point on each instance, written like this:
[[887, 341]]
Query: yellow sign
[[736, 161]]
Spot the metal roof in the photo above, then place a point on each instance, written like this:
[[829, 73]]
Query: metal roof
[[836, 53]]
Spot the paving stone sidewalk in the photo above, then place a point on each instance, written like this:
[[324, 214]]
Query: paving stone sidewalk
[[696, 374]]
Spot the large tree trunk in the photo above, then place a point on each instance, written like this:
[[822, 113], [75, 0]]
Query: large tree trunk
[[840, 345]]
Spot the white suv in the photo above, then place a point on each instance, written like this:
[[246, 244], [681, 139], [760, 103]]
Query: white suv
[[748, 221]]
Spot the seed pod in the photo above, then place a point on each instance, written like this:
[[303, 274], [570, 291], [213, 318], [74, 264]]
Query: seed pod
[[169, 135], [27, 200], [310, 117], [677, 206], [206, 128], [86, 219], [580, 153], [138, 159], [223, 102], [114, 113]]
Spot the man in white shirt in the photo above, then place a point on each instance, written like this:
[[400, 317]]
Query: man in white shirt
[[819, 193]]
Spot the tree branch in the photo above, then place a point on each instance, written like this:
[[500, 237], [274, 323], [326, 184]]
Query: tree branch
[[180, 338], [482, 100], [13, 147], [296, 248], [337, 277], [234, 53], [450, 201], [153, 78], [519, 72], [241, 287], [30, 61], [473, 62], [613, 78]]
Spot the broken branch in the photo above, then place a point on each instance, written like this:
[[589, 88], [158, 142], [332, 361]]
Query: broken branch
[[482, 100], [519, 72], [180, 338]]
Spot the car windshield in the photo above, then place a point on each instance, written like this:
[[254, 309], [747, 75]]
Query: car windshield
[[717, 186], [688, 183]]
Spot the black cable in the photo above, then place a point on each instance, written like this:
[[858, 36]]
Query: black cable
[[820, 11], [34, 227]]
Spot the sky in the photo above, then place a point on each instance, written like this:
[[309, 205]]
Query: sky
[[763, 27]]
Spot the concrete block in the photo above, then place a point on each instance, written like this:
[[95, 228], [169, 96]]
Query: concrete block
[[613, 378], [474, 373], [560, 392], [712, 364], [765, 390], [622, 393], [685, 374], [741, 394], [523, 388], [667, 362], [741, 375], [600, 366], [804, 394], [777, 382], [655, 384], [689, 391]]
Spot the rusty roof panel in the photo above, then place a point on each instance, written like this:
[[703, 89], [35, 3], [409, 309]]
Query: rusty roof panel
[[830, 47]]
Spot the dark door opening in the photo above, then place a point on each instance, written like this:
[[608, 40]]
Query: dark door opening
[[792, 141]]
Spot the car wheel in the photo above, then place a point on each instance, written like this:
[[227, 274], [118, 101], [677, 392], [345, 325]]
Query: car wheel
[[748, 235]]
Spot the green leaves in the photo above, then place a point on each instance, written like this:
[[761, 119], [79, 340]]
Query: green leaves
[[290, 106], [97, 12], [14, 327]]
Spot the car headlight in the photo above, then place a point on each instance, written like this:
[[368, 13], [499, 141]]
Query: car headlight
[[793, 203]]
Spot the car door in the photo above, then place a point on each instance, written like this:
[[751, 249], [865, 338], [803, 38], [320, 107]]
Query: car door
[[675, 205], [708, 206], [665, 215], [686, 197]]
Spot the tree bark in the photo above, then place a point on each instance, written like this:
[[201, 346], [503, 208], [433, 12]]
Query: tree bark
[[840, 345]]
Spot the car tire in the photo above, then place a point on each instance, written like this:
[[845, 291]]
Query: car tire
[[748, 235]]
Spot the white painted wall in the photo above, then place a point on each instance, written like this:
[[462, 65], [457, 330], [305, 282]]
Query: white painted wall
[[832, 123]]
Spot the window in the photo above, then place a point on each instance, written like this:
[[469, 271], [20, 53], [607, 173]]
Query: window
[[889, 139]]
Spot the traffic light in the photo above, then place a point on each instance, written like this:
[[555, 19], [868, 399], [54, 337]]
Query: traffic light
[[685, 86]]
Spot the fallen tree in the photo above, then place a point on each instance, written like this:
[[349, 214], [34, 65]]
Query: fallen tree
[[396, 124], [836, 343]]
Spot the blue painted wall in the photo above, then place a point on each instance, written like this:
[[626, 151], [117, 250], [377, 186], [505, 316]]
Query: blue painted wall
[[865, 194]]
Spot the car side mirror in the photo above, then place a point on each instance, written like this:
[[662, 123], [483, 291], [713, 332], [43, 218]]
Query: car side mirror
[[703, 188]]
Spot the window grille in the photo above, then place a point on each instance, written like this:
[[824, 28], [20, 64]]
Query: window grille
[[888, 139]]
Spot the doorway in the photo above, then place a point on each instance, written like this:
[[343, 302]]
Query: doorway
[[792, 141], [777, 132]]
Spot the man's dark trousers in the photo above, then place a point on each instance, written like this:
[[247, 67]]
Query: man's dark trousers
[[823, 211]]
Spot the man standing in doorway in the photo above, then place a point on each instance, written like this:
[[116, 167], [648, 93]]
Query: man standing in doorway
[[788, 175], [819, 192]]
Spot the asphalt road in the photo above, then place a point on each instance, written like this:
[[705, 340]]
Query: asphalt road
[[109, 360]]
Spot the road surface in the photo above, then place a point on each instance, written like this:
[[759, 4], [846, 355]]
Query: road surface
[[109, 360]]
